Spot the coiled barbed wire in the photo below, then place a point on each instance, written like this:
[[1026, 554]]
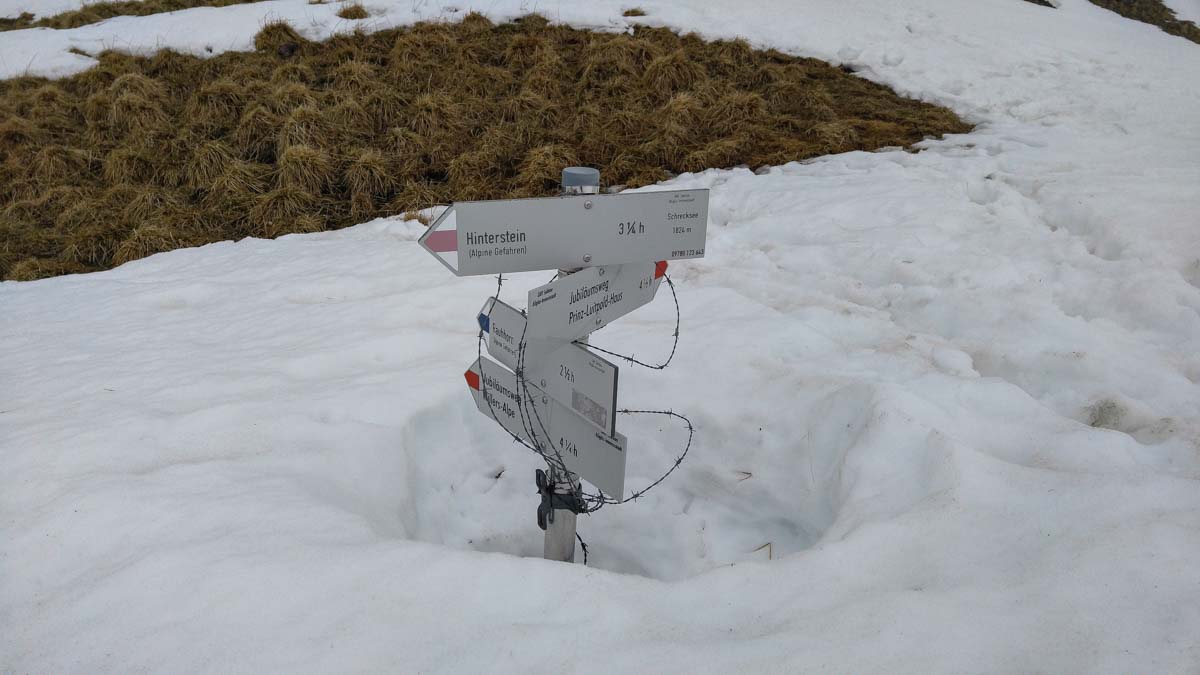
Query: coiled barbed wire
[[531, 422]]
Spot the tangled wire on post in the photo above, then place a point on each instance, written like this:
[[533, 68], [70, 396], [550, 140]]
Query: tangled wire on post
[[535, 429]]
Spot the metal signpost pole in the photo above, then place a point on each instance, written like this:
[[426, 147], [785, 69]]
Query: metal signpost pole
[[560, 528]]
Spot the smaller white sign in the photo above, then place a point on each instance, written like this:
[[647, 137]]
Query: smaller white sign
[[569, 373], [529, 414], [573, 306]]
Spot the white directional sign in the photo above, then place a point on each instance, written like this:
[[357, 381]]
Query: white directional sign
[[590, 454], [573, 306], [567, 372], [518, 235]]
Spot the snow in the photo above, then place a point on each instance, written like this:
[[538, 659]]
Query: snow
[[963, 384], [1187, 10], [40, 8]]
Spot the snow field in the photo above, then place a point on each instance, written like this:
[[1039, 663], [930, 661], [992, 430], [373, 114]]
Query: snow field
[[1187, 10], [963, 382], [38, 8]]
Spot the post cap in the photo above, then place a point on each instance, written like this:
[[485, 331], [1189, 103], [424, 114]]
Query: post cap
[[580, 177]]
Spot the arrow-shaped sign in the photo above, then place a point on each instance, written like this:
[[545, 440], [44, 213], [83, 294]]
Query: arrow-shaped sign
[[544, 422], [570, 374], [572, 306], [519, 235]]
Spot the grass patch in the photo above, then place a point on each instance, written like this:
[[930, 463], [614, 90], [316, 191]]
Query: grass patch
[[100, 11], [146, 154], [22, 20], [353, 12], [634, 11], [1153, 12]]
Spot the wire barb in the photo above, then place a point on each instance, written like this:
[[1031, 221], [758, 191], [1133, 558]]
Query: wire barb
[[674, 345], [582, 545], [533, 426]]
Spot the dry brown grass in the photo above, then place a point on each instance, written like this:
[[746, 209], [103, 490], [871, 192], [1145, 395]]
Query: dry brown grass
[[146, 154], [1153, 12], [353, 12]]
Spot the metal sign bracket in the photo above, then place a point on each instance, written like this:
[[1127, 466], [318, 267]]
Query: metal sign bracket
[[553, 500]]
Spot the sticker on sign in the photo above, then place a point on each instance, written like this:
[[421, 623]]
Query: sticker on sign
[[520, 235], [567, 372], [586, 452]]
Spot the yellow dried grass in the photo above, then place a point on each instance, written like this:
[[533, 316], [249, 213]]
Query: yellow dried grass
[[305, 167], [353, 12], [142, 154]]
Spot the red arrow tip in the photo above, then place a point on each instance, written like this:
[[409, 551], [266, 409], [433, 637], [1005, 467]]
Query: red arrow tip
[[660, 268], [472, 379], [444, 241]]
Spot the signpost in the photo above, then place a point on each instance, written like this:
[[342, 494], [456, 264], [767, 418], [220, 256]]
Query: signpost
[[570, 374], [571, 307], [596, 456], [522, 235], [545, 387]]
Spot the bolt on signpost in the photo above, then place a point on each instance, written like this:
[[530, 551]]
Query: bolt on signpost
[[544, 386]]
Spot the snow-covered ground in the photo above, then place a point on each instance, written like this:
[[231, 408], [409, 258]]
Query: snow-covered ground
[[38, 8], [955, 391], [1188, 10]]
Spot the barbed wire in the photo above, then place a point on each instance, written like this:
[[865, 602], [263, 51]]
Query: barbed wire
[[582, 545], [532, 424], [555, 462], [633, 496], [674, 344]]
